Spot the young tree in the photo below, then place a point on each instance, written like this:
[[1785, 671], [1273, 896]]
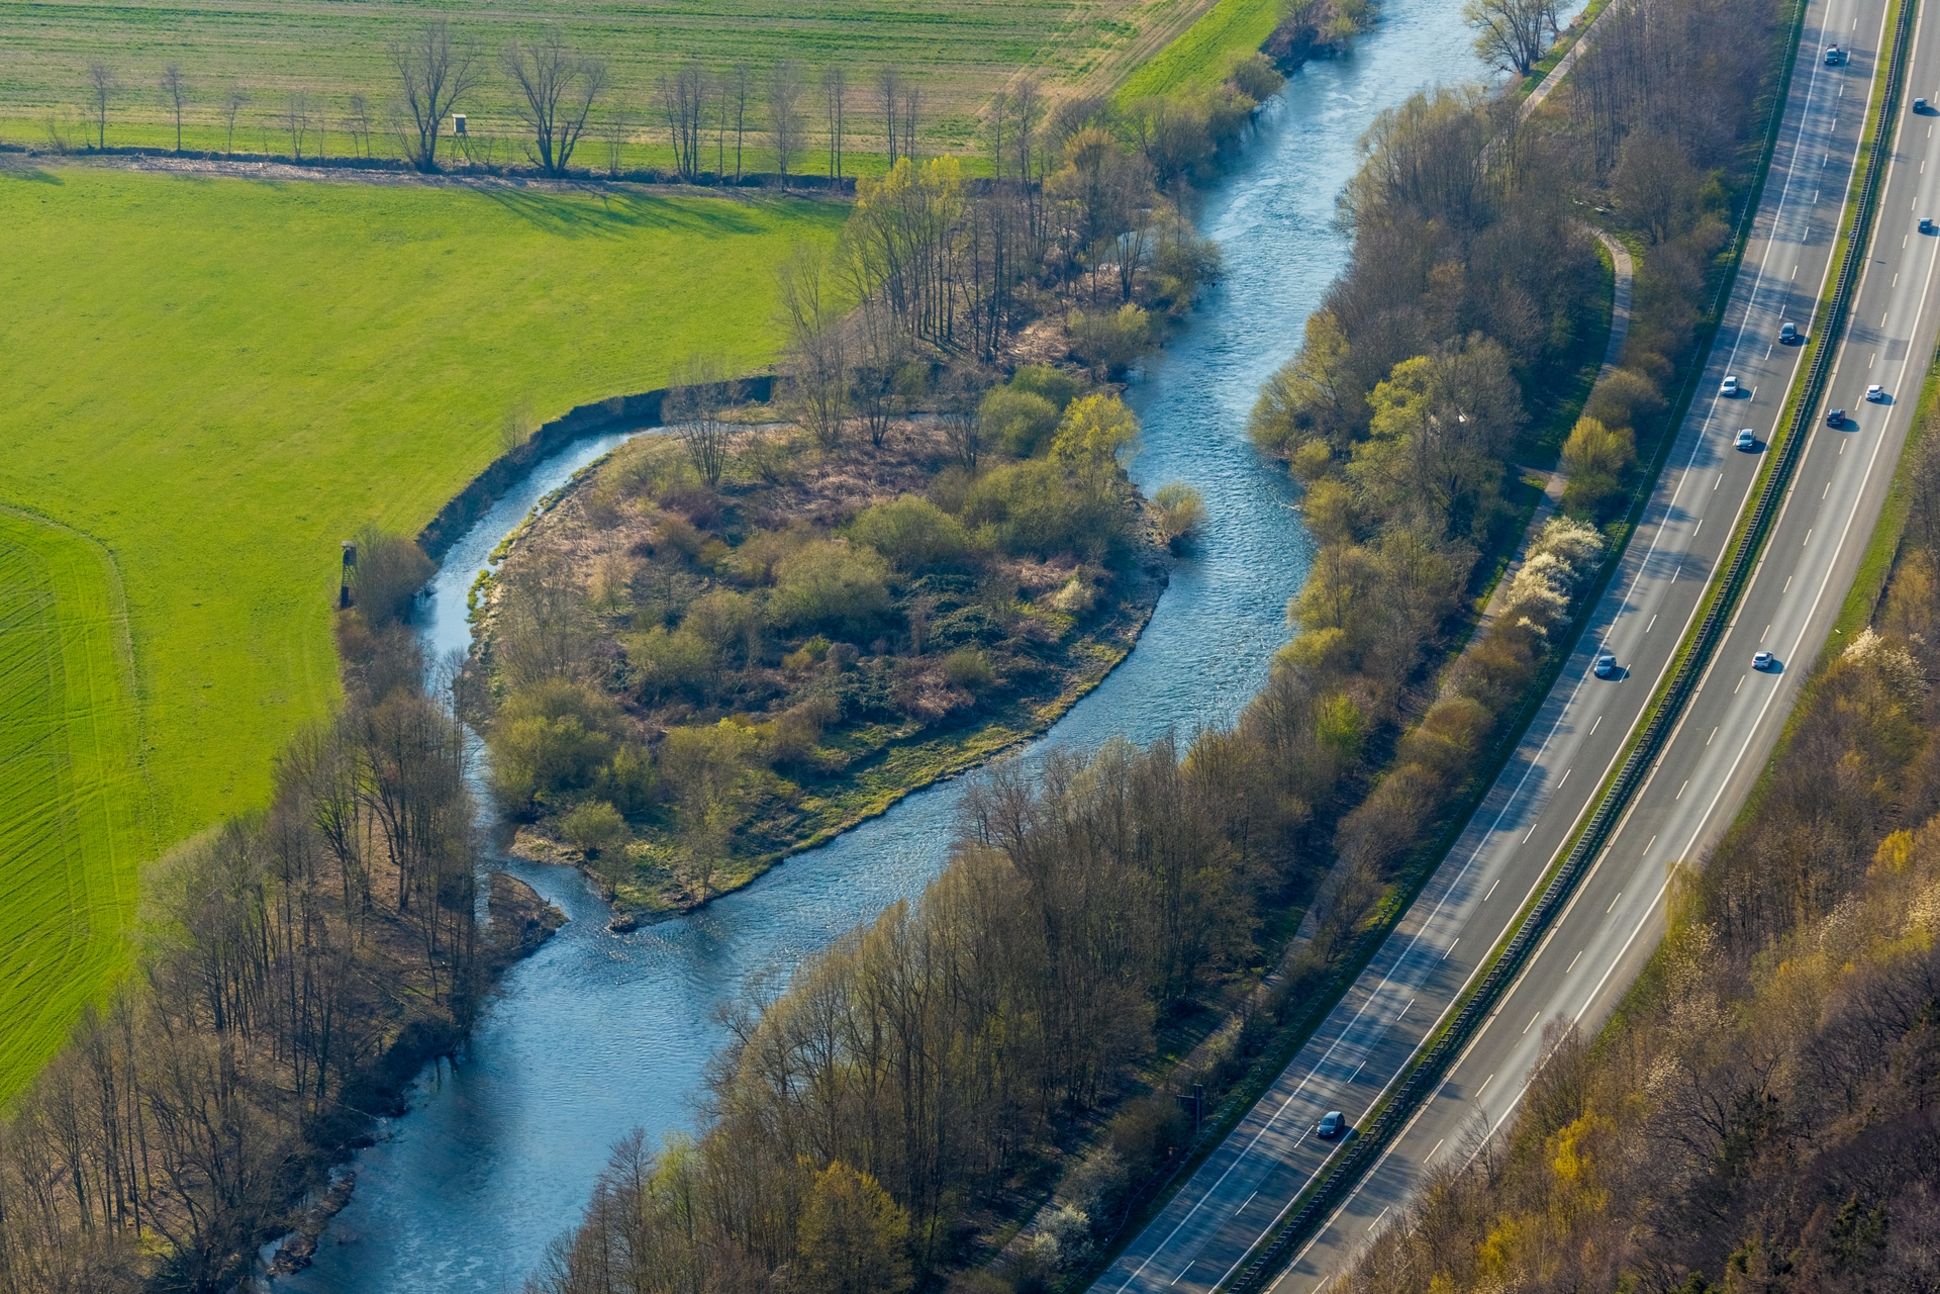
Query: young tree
[[232, 104], [357, 123], [175, 87], [1511, 35], [102, 88], [557, 89], [835, 86], [853, 1238], [296, 121], [889, 87], [735, 90], [434, 71], [817, 351], [697, 408], [683, 101], [785, 113]]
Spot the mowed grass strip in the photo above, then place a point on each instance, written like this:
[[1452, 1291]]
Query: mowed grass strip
[[220, 379], [75, 813], [959, 51]]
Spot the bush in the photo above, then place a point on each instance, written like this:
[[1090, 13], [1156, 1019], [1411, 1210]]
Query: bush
[[969, 669], [914, 535], [663, 663], [723, 619], [1595, 458], [1054, 384], [1093, 430], [389, 573], [831, 585], [1034, 508], [1018, 421], [1257, 78], [1180, 512], [549, 740], [595, 828], [1110, 342]]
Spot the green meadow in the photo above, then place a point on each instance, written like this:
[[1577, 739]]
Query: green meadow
[[209, 384]]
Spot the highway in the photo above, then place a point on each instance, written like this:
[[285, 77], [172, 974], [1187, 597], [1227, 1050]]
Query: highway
[[1233, 1199]]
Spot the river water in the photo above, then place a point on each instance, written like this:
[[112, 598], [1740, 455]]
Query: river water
[[598, 1033]]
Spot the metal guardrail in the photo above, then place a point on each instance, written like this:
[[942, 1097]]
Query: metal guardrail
[[1429, 1066]]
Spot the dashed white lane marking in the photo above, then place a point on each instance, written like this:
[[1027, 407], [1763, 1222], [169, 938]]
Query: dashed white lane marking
[[1438, 1146], [1652, 625], [1532, 1022], [1377, 1219], [1572, 966], [1485, 1085], [1242, 1208], [1451, 948], [1613, 904], [1491, 893], [1713, 737], [1741, 683], [1681, 790], [1566, 776], [1596, 725], [1788, 584], [1720, 481]]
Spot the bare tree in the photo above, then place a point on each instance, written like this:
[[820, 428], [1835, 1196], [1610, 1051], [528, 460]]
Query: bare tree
[[785, 113], [176, 87], [738, 85], [817, 351], [1511, 35], [615, 142], [296, 121], [102, 88], [697, 409], [889, 84], [231, 105], [434, 72], [357, 123], [835, 86], [683, 101], [912, 103], [557, 89]]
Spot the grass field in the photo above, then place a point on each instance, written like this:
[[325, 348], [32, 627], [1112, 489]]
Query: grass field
[[959, 51], [210, 382]]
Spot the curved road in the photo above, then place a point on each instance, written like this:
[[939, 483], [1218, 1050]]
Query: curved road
[[1204, 1233]]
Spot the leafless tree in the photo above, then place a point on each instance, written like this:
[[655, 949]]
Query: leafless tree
[[615, 142], [912, 108], [296, 121], [697, 409], [175, 87], [434, 71], [683, 102], [818, 362], [889, 89], [232, 104], [1511, 35], [835, 88], [102, 88], [735, 89], [357, 123], [785, 113], [557, 89]]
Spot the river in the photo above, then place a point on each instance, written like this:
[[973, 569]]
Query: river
[[598, 1033]]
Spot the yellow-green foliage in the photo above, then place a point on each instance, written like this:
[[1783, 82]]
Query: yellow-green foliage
[[215, 381]]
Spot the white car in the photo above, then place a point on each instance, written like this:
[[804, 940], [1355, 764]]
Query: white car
[[1729, 386], [1763, 660], [1875, 393], [1745, 439], [1834, 56], [1606, 664]]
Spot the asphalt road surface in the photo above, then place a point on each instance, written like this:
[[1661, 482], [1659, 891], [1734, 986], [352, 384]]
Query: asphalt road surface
[[1603, 938]]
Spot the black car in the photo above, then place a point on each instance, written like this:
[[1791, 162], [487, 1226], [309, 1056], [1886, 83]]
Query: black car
[[1837, 418]]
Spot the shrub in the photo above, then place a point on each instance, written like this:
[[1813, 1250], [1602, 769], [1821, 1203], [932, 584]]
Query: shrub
[[1257, 78], [551, 739], [1110, 342], [1093, 430], [663, 663], [831, 585], [390, 571], [1018, 421], [595, 828], [1035, 508], [1053, 384], [724, 618], [1180, 512], [1595, 458], [969, 669], [914, 535]]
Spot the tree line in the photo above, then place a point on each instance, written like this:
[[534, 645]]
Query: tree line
[[563, 98], [296, 966]]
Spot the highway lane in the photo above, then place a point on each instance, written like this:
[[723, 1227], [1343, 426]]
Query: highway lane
[[1205, 1231], [1601, 941]]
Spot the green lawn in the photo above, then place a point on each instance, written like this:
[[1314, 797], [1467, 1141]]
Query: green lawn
[[209, 383], [959, 51]]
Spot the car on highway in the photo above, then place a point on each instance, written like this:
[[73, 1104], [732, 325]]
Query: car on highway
[[1788, 333], [1331, 1125], [1836, 418], [1745, 439], [1763, 660], [1926, 224], [1606, 664], [1834, 56], [1875, 393], [1919, 107], [1729, 386]]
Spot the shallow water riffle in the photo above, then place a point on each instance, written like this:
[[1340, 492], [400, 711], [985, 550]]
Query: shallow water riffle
[[598, 1033]]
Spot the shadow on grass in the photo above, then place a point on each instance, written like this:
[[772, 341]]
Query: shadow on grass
[[607, 213], [31, 175]]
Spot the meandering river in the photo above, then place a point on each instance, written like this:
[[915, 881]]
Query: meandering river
[[598, 1033]]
